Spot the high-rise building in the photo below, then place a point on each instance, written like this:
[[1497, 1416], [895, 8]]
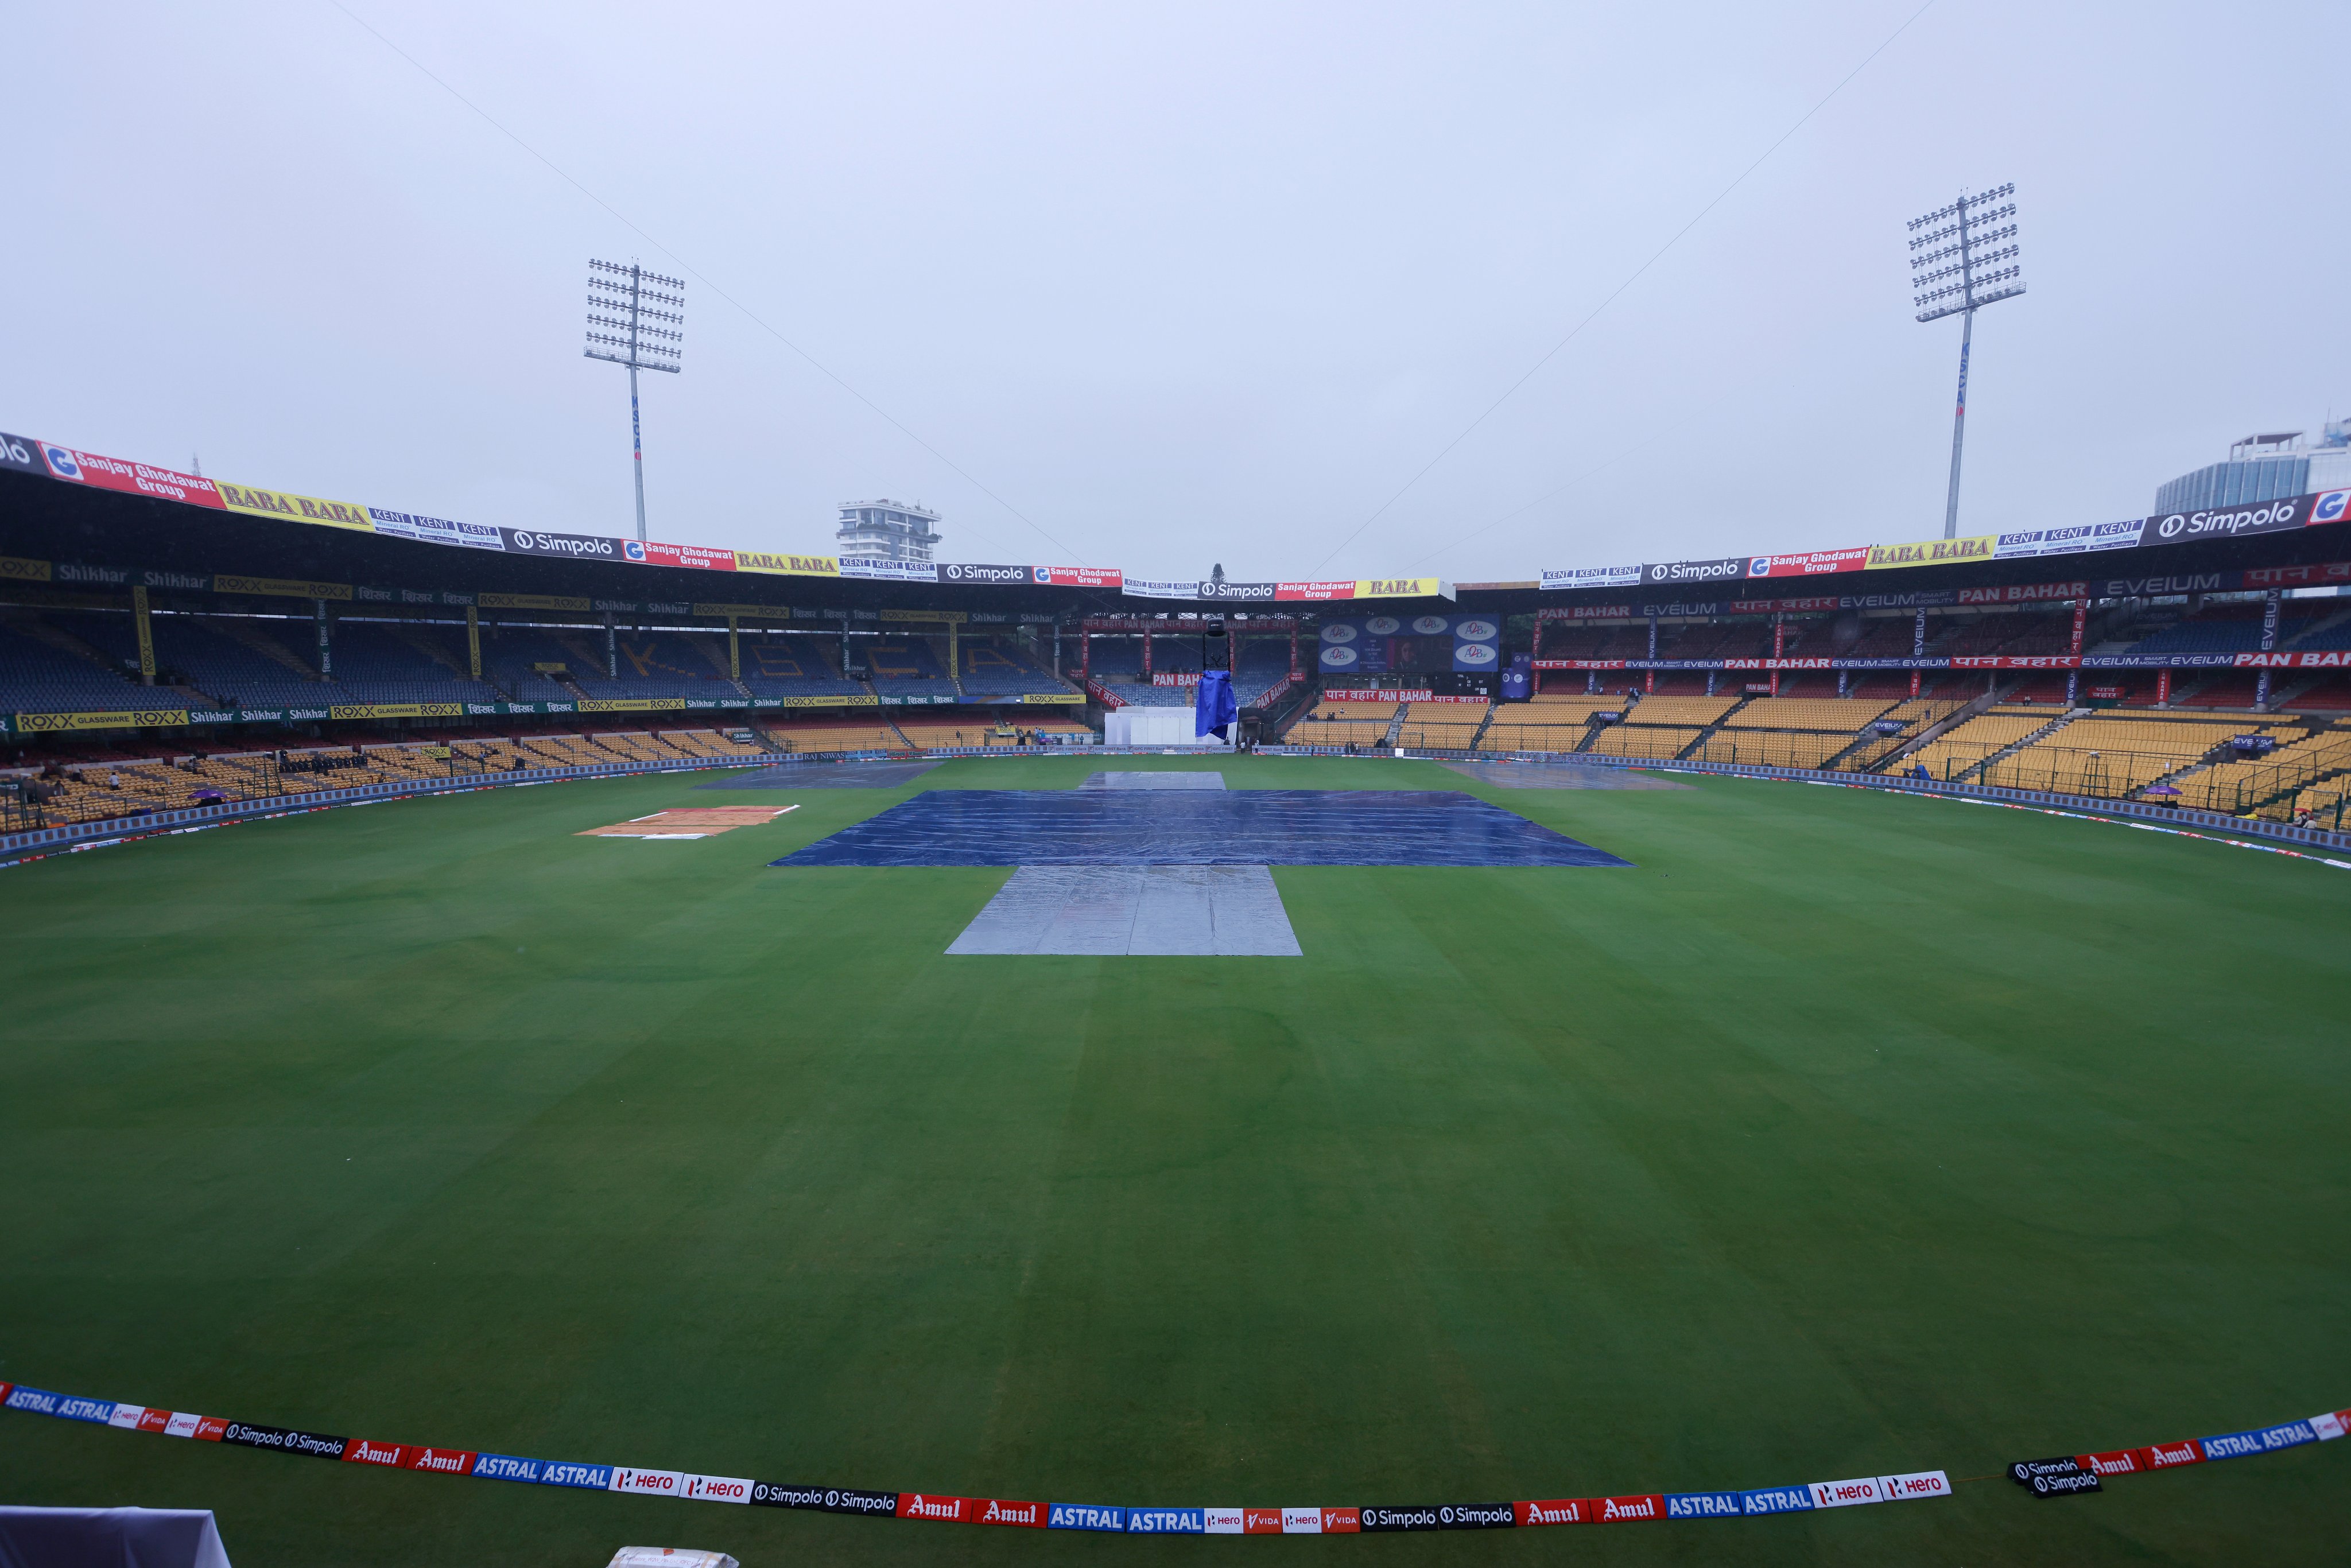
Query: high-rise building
[[892, 531], [2264, 468]]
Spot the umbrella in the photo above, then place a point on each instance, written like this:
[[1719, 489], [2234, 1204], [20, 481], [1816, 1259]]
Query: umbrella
[[2159, 790]]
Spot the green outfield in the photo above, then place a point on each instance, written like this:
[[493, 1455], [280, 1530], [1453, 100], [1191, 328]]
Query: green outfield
[[1846, 1134]]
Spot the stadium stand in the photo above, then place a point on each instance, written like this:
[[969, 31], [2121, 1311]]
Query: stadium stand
[[1005, 669], [1656, 741], [1545, 723], [908, 668], [1961, 749], [776, 665], [2301, 759], [1441, 726], [2112, 754], [36, 677]]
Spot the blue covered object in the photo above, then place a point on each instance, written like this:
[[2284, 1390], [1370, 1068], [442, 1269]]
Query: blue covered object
[[1241, 827], [1213, 707]]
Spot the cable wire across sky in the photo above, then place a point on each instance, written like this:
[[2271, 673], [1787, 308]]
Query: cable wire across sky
[[1634, 277], [703, 279]]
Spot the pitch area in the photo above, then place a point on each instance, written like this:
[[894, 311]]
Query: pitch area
[[1839, 1134]]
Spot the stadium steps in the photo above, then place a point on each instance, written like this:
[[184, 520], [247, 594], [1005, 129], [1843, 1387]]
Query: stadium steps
[[1697, 747], [1484, 724], [1396, 727], [415, 638], [2182, 690], [235, 629], [2307, 633], [64, 642], [2282, 695], [2035, 738], [1982, 702]]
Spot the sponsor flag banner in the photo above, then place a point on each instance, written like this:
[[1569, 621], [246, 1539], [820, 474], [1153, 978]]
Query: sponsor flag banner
[[2229, 522], [1933, 552], [699, 558], [317, 1445], [1157, 588], [1592, 577], [440, 1462], [1262, 1522], [282, 588], [362, 1452], [937, 1509], [2075, 540], [587, 1477], [123, 718], [2327, 1424], [1302, 1521], [2023, 1470], [1776, 1499], [777, 564], [1002, 575], [135, 478], [1916, 1486], [1703, 1505], [22, 453], [1166, 1520], [1086, 1516], [1675, 573], [995, 1511], [1848, 1494], [880, 568], [36, 1401], [1636, 1509], [530, 602], [2063, 1486], [1221, 1520], [254, 501], [717, 1488], [1422, 1517], [434, 531], [2243, 1445], [129, 1415], [1341, 1521], [826, 1499], [1079, 576], [1554, 1510], [1810, 563]]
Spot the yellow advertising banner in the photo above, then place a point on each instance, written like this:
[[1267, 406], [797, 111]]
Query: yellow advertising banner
[[281, 587], [1933, 552], [763, 612], [844, 701], [787, 565], [527, 602], [396, 710], [295, 508], [125, 718], [13, 570], [1399, 587], [1051, 697], [631, 705], [956, 616]]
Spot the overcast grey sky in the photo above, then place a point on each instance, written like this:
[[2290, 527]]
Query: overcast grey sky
[[1181, 283]]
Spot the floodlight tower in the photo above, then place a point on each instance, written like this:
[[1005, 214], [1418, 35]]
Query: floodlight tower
[[628, 300], [1962, 242]]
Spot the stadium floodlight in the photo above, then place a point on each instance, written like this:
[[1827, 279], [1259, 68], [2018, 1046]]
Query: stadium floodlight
[[1961, 259], [627, 308]]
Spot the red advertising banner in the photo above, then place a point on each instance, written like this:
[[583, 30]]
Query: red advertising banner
[[1579, 663], [138, 478], [698, 556], [1389, 695], [2017, 662], [1587, 612], [2333, 659], [1810, 563], [1080, 576]]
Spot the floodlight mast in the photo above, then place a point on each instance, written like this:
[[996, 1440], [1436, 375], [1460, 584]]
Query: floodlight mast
[[1967, 231], [628, 300]]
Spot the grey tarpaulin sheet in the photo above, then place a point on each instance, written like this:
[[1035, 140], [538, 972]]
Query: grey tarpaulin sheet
[[110, 1538], [1202, 911], [1133, 781]]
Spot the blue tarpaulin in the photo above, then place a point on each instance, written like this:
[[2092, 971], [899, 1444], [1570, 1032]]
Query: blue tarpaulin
[[1213, 707]]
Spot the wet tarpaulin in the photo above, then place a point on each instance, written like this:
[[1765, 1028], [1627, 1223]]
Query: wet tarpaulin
[[1197, 827]]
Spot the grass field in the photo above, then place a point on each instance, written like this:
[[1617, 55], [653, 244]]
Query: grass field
[[1846, 1134]]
